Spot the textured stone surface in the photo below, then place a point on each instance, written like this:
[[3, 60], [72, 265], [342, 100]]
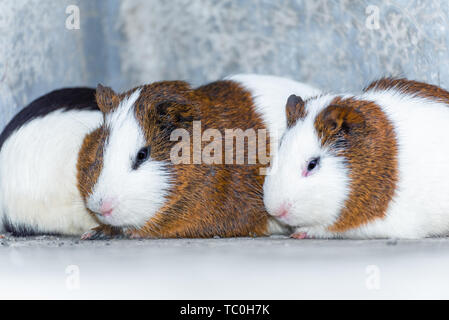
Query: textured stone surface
[[263, 268], [332, 44], [38, 53], [328, 43]]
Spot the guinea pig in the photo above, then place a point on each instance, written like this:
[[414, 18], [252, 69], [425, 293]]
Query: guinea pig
[[129, 181], [373, 165], [38, 156]]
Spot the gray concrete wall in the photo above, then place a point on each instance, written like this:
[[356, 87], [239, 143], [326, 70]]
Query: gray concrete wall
[[337, 45]]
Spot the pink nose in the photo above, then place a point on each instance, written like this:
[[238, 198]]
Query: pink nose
[[107, 206], [282, 211]]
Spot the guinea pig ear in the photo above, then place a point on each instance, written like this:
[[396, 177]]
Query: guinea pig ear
[[295, 109], [336, 118], [107, 99]]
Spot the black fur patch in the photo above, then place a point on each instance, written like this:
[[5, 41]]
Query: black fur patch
[[62, 99], [22, 230]]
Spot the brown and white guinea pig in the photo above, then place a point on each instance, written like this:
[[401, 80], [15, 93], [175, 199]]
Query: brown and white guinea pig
[[38, 155], [374, 165], [126, 176]]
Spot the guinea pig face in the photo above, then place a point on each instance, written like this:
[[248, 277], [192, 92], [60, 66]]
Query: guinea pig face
[[309, 184], [124, 171]]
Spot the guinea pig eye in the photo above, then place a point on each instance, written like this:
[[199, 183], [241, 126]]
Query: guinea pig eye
[[313, 164], [142, 156]]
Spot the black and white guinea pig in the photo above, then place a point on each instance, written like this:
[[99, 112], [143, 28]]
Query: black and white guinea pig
[[374, 165], [38, 155]]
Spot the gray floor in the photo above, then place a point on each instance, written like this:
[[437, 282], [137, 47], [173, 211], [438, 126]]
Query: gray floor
[[263, 268]]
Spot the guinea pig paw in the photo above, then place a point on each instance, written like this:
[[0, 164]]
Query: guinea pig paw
[[104, 232], [95, 234], [89, 235], [135, 235], [300, 235]]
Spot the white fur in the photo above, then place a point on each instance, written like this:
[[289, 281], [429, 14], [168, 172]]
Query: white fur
[[137, 194], [420, 207], [270, 94], [38, 183]]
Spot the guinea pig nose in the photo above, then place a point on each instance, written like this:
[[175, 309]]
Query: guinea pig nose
[[283, 210], [107, 206]]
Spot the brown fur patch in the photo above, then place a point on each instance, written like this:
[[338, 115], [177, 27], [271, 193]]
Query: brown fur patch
[[361, 133], [90, 161], [414, 88], [206, 200]]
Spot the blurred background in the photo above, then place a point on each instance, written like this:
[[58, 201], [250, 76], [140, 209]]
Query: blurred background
[[336, 45]]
